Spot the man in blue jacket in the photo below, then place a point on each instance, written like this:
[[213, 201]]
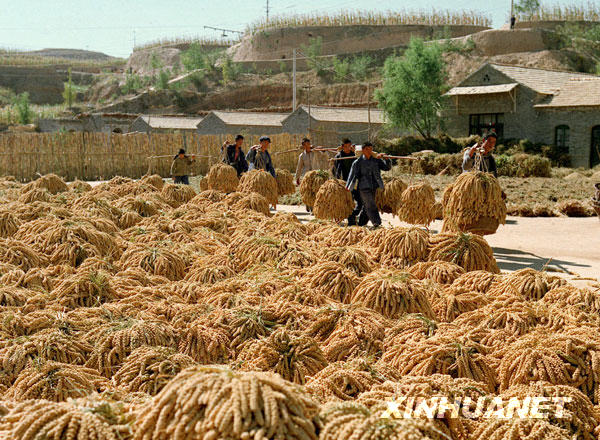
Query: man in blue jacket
[[365, 175], [258, 156]]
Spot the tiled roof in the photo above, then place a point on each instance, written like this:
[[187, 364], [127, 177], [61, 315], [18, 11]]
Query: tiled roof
[[171, 122], [581, 92], [340, 114], [251, 118], [481, 90], [540, 80]]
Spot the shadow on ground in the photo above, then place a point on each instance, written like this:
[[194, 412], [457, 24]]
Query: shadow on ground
[[512, 259]]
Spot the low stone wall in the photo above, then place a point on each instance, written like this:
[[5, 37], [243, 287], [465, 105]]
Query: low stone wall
[[279, 43]]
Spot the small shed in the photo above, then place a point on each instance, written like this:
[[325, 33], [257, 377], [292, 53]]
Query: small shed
[[329, 125], [164, 124], [245, 123]]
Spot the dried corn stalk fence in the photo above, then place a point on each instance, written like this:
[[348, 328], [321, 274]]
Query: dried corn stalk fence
[[101, 156]]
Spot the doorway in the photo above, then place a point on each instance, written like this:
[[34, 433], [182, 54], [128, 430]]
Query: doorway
[[595, 150]]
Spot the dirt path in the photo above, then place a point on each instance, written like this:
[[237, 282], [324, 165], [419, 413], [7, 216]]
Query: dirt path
[[561, 244]]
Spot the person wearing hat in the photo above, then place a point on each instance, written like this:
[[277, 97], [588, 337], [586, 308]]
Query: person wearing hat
[[258, 157], [365, 176], [485, 148], [180, 168], [341, 170], [234, 155]]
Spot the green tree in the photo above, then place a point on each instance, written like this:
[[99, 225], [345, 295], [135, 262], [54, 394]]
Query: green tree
[[155, 61], [231, 71], [132, 84], [69, 93], [194, 57], [341, 69], [312, 52], [527, 8], [359, 67], [413, 88], [162, 80], [24, 113]]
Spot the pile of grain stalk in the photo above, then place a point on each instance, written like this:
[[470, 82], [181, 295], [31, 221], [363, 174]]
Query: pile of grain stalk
[[333, 201], [417, 204], [261, 182], [222, 177], [388, 198], [470, 200], [208, 318], [309, 187], [285, 182]]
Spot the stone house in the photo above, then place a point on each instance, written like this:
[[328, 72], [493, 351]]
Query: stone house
[[545, 106], [329, 125], [165, 124], [245, 123], [88, 122]]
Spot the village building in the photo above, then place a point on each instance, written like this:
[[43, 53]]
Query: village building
[[88, 122], [544, 106], [329, 125], [165, 124], [245, 123]]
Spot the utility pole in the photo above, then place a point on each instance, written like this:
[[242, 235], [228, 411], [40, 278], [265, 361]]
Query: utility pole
[[134, 38], [69, 91], [267, 8], [294, 82], [309, 118], [512, 18]]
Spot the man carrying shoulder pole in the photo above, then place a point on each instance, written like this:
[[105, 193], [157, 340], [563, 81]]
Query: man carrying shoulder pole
[[365, 176], [234, 155], [306, 161], [487, 163], [259, 158], [341, 170]]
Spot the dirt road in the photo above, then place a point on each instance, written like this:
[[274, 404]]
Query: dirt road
[[561, 244]]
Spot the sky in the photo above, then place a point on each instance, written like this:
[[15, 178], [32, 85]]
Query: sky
[[110, 26]]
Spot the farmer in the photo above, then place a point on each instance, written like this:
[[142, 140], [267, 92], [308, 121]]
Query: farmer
[[485, 148], [234, 155], [180, 168], [365, 176], [341, 170], [258, 157], [307, 161]]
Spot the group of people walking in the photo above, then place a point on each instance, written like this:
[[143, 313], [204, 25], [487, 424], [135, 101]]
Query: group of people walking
[[362, 174]]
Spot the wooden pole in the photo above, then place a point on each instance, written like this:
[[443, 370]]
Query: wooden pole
[[384, 157]]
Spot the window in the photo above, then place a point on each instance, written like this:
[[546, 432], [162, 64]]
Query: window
[[561, 136], [481, 124]]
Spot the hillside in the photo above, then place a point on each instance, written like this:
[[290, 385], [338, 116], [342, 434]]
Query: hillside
[[266, 84], [335, 61], [70, 54]]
